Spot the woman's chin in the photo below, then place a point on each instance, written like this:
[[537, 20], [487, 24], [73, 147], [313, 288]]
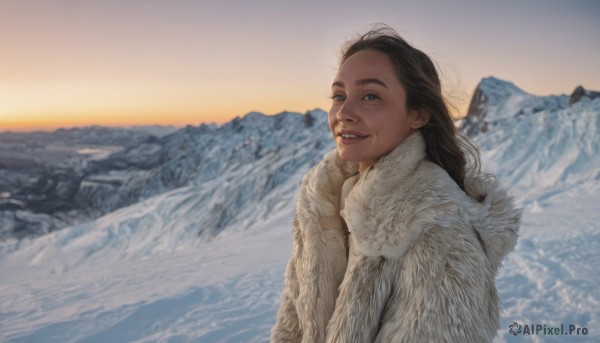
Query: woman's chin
[[347, 156]]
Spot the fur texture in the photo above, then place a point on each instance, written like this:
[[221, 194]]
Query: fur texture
[[424, 254]]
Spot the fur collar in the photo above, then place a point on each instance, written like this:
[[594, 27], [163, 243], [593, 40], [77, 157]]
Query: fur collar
[[402, 194]]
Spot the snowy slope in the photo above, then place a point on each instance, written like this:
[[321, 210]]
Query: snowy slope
[[553, 276], [224, 290], [180, 267], [241, 179]]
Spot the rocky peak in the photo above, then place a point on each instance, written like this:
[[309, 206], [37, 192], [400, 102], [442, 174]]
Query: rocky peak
[[581, 92], [489, 93]]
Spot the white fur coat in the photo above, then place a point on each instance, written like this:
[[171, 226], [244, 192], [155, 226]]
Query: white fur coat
[[426, 254]]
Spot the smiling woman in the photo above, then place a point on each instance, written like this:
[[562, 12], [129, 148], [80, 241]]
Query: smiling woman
[[369, 116], [397, 239]]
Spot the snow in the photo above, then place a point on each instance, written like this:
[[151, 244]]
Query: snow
[[552, 277], [204, 262], [228, 288]]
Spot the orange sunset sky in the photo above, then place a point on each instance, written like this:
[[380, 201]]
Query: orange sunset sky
[[121, 63]]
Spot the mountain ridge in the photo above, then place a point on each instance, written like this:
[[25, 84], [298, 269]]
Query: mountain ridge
[[191, 156], [187, 157]]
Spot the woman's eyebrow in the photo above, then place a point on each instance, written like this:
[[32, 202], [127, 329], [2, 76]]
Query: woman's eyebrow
[[361, 82]]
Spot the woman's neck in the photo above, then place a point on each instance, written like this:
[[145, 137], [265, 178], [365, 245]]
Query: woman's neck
[[363, 165]]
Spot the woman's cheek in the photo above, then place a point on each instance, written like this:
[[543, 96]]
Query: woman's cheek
[[332, 122]]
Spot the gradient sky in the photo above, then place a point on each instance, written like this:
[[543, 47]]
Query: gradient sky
[[123, 62]]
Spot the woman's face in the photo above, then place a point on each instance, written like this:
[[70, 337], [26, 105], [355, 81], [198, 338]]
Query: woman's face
[[368, 115]]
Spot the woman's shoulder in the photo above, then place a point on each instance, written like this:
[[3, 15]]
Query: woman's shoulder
[[483, 223], [429, 176]]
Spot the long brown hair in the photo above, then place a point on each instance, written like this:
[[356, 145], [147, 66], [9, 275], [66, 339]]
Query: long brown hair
[[445, 146]]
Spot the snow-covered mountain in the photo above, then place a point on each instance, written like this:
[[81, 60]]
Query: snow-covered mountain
[[40, 174], [264, 150], [154, 130], [193, 184], [198, 234], [536, 143]]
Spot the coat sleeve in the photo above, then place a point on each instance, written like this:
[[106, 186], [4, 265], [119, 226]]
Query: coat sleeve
[[318, 261], [365, 291], [447, 286], [312, 278]]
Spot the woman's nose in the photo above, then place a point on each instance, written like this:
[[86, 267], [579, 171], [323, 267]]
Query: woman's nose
[[346, 113]]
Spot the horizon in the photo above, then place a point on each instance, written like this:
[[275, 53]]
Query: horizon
[[129, 127], [180, 126], [117, 63]]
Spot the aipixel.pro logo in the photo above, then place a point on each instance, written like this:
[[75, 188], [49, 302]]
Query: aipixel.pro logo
[[546, 330], [515, 328]]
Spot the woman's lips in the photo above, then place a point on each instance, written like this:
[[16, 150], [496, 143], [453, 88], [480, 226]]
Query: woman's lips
[[349, 137]]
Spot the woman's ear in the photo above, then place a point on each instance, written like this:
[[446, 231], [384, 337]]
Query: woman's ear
[[419, 117]]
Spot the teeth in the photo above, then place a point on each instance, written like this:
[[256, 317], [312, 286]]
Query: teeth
[[348, 136]]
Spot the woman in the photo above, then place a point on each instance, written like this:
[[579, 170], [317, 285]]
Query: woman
[[396, 238]]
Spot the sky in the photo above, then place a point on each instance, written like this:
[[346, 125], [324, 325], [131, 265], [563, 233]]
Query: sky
[[147, 62]]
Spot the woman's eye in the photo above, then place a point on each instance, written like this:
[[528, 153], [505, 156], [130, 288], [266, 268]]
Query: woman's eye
[[370, 97], [338, 98]]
